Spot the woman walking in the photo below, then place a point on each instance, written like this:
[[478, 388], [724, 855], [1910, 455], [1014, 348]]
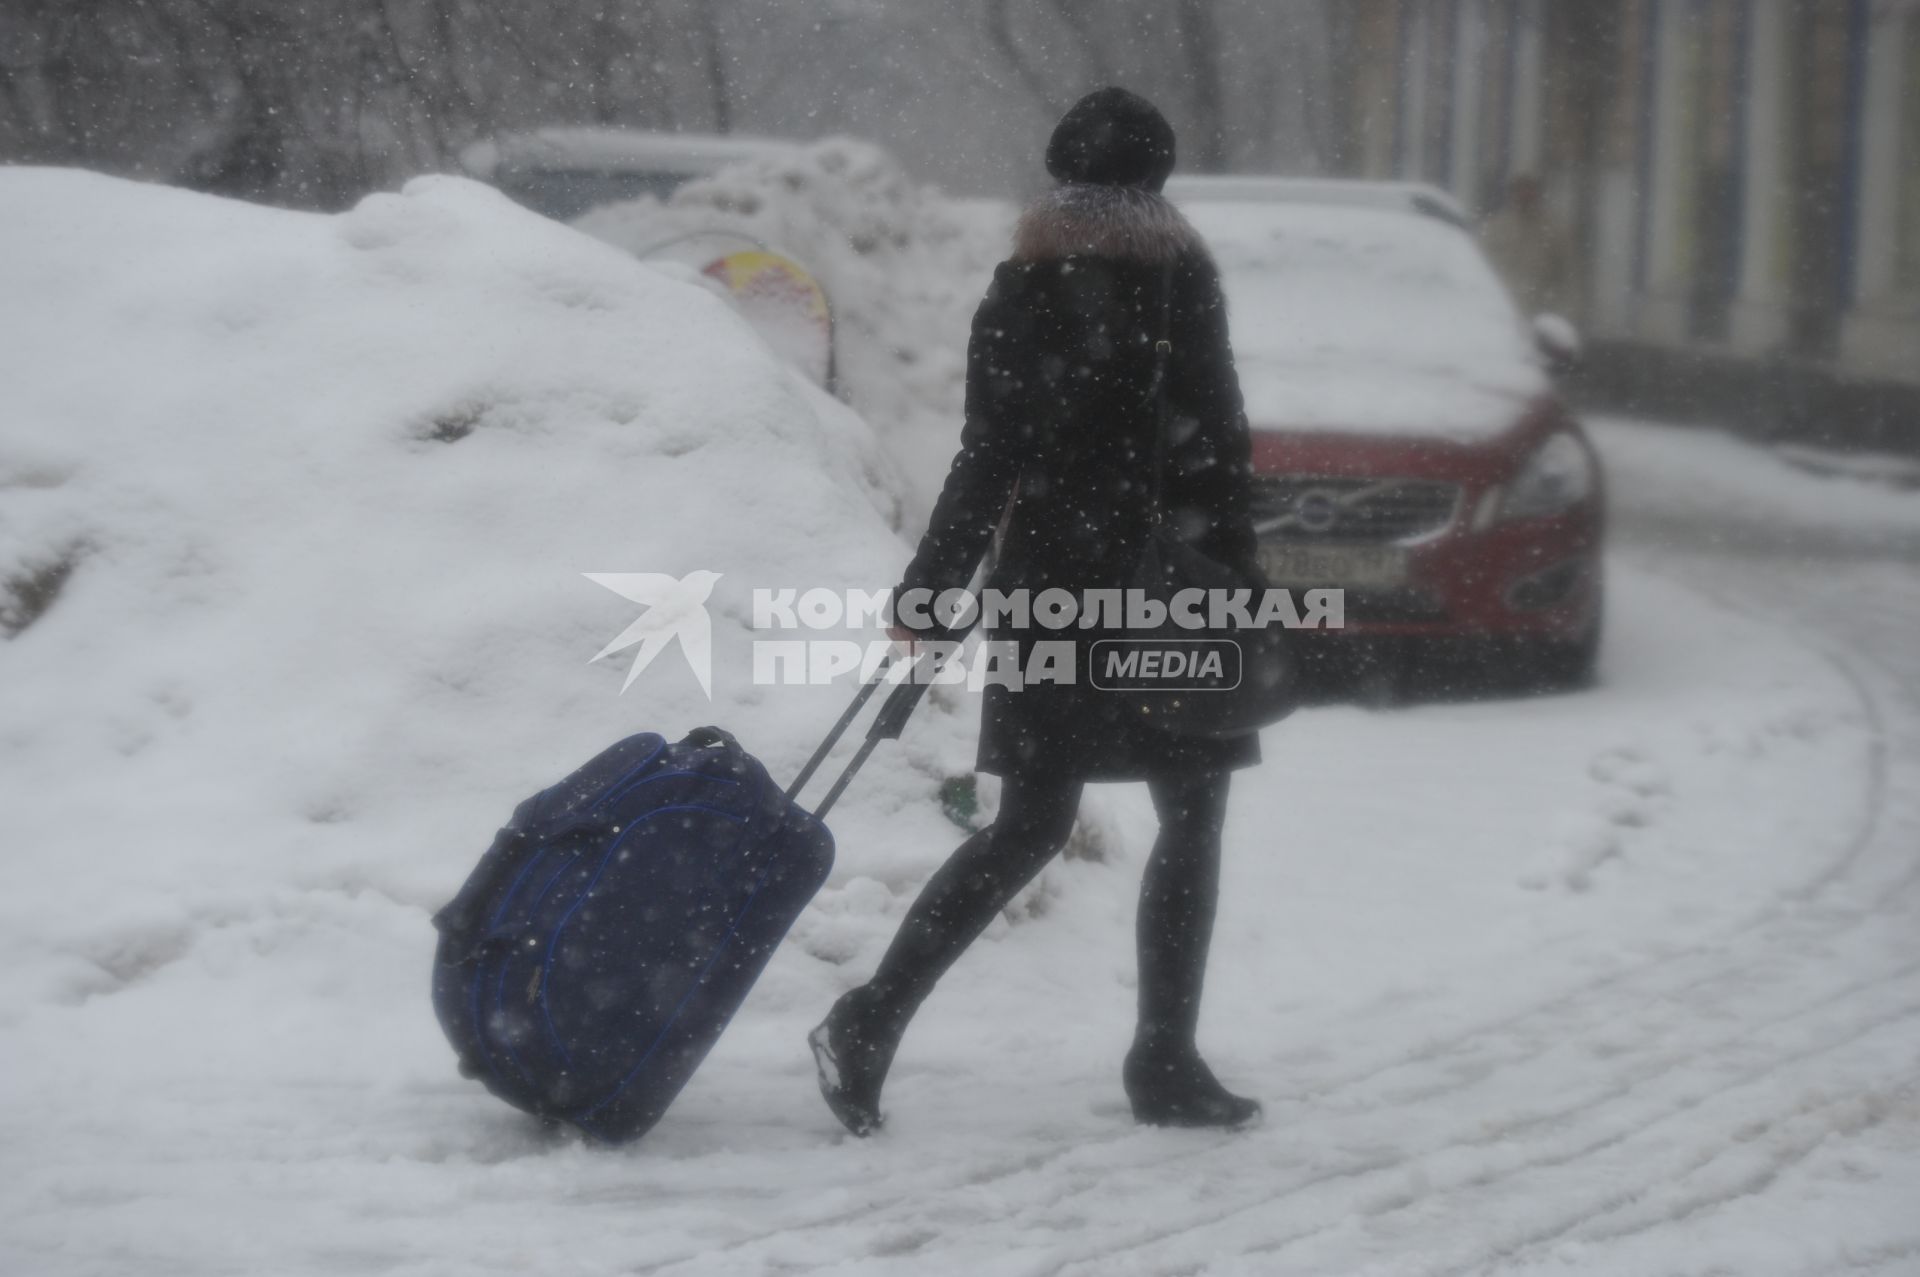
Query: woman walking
[[1061, 422]]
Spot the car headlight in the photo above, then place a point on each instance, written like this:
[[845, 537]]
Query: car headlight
[[1558, 476]]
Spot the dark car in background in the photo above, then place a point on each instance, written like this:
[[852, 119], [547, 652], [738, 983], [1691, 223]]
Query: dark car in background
[[1409, 444], [564, 172]]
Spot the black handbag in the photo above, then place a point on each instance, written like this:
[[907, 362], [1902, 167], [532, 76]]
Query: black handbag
[[1207, 680]]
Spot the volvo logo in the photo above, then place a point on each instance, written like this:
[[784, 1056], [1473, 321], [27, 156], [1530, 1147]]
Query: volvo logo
[[1315, 510]]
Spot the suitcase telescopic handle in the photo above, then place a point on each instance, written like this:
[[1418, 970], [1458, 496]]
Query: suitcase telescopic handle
[[887, 725]]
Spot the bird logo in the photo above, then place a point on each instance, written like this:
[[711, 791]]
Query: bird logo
[[676, 609]]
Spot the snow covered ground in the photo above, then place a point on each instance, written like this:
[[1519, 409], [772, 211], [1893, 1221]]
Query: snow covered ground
[[1621, 982]]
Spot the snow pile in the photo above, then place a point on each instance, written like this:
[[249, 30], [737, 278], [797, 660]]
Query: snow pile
[[903, 266], [294, 512], [325, 488]]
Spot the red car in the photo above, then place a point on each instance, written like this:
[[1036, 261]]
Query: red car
[[1409, 444]]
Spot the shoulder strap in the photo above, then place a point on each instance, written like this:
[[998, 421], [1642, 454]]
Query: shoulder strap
[[1157, 391]]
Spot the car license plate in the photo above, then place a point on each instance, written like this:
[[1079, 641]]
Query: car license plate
[[1359, 567]]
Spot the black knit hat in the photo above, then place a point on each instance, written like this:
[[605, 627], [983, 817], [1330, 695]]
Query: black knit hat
[[1112, 138]]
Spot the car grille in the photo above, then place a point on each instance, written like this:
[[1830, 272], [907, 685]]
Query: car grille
[[1407, 606], [1351, 511]]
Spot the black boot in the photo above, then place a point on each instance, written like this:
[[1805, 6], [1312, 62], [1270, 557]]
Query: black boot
[[1167, 1081], [853, 1047], [1172, 1086], [852, 1055]]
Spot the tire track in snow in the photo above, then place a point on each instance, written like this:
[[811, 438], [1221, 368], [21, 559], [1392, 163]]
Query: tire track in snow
[[1677, 1064], [1581, 1152], [1850, 1116], [1879, 1259], [1034, 1219], [1745, 1128], [868, 1214]]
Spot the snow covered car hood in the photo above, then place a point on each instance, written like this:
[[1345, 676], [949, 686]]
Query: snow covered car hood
[[1369, 321]]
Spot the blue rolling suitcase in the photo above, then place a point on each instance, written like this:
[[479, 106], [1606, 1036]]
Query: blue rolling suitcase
[[616, 924]]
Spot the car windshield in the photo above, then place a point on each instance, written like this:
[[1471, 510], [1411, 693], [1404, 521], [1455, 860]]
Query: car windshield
[[569, 193], [1367, 319]]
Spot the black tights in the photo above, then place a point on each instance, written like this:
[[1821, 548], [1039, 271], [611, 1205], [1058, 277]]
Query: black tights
[[1175, 922]]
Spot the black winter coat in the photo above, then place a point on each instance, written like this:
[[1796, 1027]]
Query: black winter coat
[[1060, 421]]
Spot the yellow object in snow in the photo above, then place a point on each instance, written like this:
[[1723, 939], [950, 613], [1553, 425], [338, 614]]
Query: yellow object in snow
[[784, 302]]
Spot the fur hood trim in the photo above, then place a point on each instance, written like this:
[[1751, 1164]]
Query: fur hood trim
[[1103, 221]]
